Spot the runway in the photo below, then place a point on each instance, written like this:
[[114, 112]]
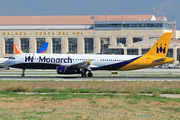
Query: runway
[[135, 75], [78, 78]]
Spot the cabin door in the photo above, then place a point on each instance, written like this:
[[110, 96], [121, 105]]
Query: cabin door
[[142, 61]]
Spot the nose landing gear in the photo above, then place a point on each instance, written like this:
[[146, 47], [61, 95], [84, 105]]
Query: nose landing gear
[[23, 75]]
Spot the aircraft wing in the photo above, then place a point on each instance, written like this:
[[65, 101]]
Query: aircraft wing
[[83, 66]]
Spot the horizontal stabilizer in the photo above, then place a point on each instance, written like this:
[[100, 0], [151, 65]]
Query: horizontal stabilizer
[[159, 60]]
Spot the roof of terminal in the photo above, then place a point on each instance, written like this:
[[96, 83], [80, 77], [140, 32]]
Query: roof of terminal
[[69, 20]]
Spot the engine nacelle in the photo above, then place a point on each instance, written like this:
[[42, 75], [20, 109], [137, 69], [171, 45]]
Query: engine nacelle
[[66, 70]]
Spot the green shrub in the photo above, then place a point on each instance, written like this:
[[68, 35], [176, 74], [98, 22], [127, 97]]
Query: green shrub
[[87, 91], [17, 88], [132, 101], [156, 94], [134, 91], [150, 91], [44, 90], [171, 91]]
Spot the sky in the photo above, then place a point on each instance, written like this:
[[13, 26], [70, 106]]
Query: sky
[[91, 7]]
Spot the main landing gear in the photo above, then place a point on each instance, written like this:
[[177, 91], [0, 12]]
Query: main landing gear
[[89, 74], [23, 75]]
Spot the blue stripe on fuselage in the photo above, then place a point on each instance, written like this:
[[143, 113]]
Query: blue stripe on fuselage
[[116, 65]]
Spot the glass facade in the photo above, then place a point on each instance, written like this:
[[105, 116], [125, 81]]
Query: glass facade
[[153, 37], [144, 51], [56, 45], [137, 39], [105, 42], [170, 53], [178, 55], [9, 45], [134, 25], [132, 51], [121, 40], [72, 45], [115, 51], [40, 42], [89, 45], [25, 45]]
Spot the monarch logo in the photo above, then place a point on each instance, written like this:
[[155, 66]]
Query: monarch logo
[[48, 60], [55, 60], [160, 49], [29, 58]]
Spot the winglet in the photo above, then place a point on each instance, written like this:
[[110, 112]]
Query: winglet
[[17, 49], [90, 61], [43, 49]]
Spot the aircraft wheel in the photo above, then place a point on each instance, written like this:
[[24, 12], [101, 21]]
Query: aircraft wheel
[[90, 74], [7, 68], [22, 75], [83, 75]]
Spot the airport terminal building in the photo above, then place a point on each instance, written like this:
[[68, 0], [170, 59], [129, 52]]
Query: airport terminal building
[[106, 34]]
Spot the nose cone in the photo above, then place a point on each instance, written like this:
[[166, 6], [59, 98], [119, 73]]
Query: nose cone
[[6, 62]]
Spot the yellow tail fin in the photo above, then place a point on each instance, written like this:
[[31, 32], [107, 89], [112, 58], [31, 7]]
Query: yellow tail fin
[[160, 48]]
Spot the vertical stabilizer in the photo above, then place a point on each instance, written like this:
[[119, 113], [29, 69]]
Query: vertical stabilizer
[[160, 48], [17, 49], [43, 49]]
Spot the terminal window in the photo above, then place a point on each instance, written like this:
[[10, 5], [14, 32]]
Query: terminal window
[[40, 42], [137, 39], [25, 45], [132, 51], [144, 51], [105, 42], [133, 25], [178, 55], [9, 45], [170, 53], [56, 45], [115, 51], [88, 45], [121, 41], [153, 37], [72, 45]]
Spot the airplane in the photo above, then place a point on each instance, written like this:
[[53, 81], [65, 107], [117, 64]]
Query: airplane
[[43, 49], [18, 50], [83, 63]]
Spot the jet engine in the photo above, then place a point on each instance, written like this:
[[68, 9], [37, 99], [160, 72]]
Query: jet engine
[[66, 70]]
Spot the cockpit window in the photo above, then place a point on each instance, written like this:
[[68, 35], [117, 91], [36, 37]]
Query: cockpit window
[[12, 58]]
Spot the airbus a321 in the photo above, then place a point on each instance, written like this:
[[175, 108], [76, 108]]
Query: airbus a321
[[84, 64]]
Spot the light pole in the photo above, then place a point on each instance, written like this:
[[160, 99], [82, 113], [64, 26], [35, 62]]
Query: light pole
[[93, 17]]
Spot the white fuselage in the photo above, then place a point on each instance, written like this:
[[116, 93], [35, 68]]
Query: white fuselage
[[51, 61]]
